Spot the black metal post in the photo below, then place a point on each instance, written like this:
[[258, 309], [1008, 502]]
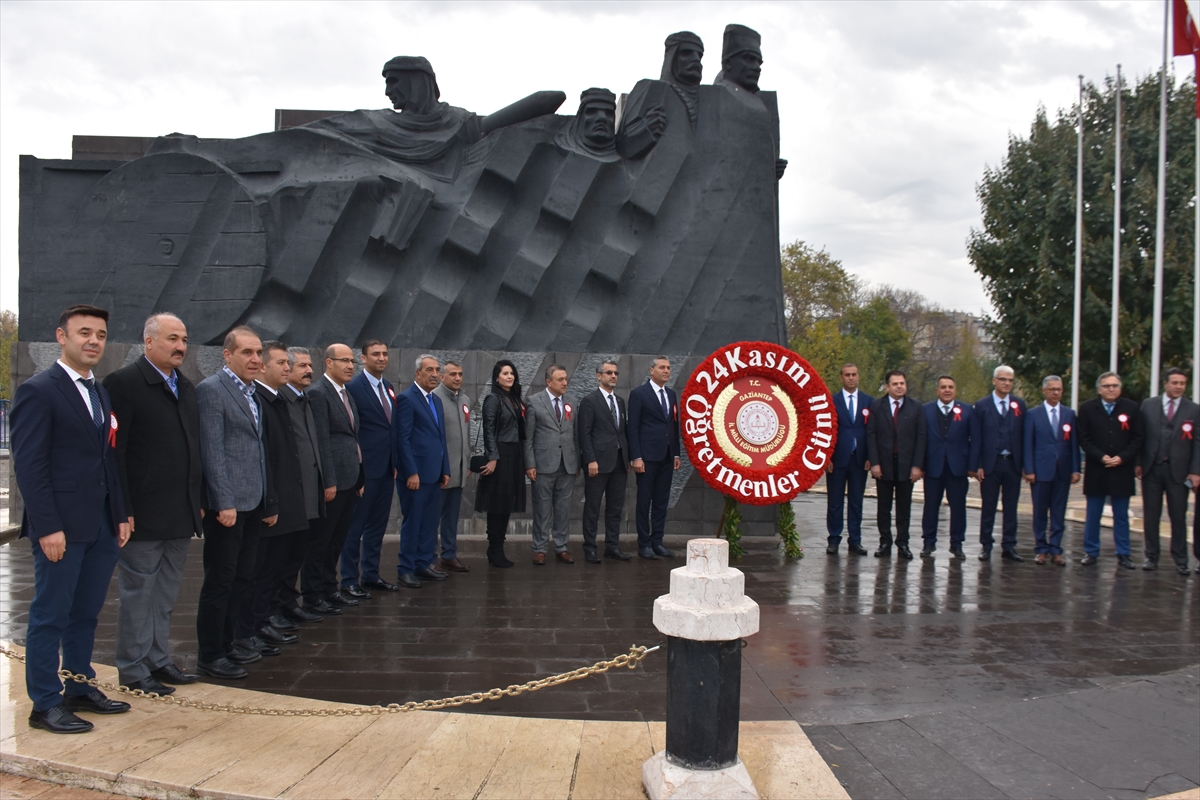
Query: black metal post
[[704, 690]]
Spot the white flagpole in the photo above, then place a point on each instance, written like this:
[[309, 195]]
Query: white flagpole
[[1078, 256], [1116, 287], [1160, 225]]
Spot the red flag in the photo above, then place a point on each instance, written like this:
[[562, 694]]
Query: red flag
[[1187, 40]]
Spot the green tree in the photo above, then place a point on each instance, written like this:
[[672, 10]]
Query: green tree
[[972, 375], [815, 286], [1025, 250], [874, 341], [8, 338]]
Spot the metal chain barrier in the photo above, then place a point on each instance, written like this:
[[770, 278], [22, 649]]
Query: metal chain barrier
[[630, 660]]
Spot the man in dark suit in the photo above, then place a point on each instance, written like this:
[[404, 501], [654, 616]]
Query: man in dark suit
[[1111, 432], [62, 436], [896, 448], [1051, 465], [158, 450], [999, 428], [238, 502], [604, 453], [424, 470], [653, 435], [551, 462], [376, 400], [949, 454], [847, 470], [457, 404], [1169, 461], [337, 417]]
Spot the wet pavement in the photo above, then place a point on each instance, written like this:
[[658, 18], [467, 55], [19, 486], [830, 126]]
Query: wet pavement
[[914, 679]]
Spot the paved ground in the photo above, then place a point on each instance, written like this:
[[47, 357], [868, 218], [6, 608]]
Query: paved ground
[[914, 679]]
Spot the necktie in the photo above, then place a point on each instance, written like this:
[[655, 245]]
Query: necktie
[[94, 397], [1054, 420], [1108, 407], [387, 406], [433, 409], [662, 395], [945, 411], [895, 427], [850, 408], [350, 414], [557, 410], [1170, 411], [612, 406], [1003, 408]]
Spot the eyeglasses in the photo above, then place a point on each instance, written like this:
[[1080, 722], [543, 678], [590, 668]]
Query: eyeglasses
[[343, 360], [1110, 386], [610, 372]]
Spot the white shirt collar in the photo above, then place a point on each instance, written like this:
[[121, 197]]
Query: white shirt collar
[[299, 392], [72, 373], [946, 406], [1049, 407], [607, 394], [268, 388], [997, 399], [847, 394], [423, 392], [375, 382], [553, 397], [333, 383], [1165, 401]]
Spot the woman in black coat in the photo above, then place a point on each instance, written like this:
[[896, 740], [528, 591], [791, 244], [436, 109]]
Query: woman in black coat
[[502, 481]]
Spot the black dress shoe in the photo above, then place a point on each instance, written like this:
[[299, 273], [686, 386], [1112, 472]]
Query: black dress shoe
[[95, 702], [356, 591], [169, 673], [647, 554], [408, 581], [257, 645], [151, 685], [239, 655], [282, 624], [985, 555], [1125, 562], [958, 554], [325, 608], [339, 599], [381, 586], [926, 554], [1182, 569], [831, 550], [904, 551], [884, 552], [429, 574], [1087, 561], [300, 614], [59, 720], [1150, 565], [663, 552], [1011, 555], [271, 635], [857, 549], [618, 554], [221, 668], [591, 556]]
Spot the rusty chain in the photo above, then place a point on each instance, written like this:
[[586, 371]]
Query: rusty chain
[[630, 660]]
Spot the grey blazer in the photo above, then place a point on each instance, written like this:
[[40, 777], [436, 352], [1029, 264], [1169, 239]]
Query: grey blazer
[[458, 434], [1183, 455], [311, 457], [549, 443], [335, 435], [231, 448]]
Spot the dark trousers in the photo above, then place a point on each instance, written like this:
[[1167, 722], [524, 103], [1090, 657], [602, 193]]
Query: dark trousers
[[448, 521], [364, 537], [318, 575], [67, 597], [1002, 481], [287, 596], [1050, 503], [418, 530], [1155, 484], [852, 481], [902, 492], [229, 556], [608, 487], [272, 557], [653, 495], [954, 489]]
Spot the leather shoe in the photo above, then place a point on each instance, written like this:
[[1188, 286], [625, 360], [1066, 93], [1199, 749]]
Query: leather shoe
[[926, 554], [618, 554], [240, 655], [831, 550], [339, 599], [985, 555], [1087, 561], [356, 591], [221, 668], [256, 645], [271, 635], [326, 608], [453, 565], [904, 551], [1126, 562], [539, 559], [884, 552], [958, 554], [430, 574], [1150, 565], [300, 614], [857, 549], [59, 720], [381, 586], [408, 580], [169, 673], [1182, 569], [150, 685], [1011, 555], [1059, 561], [1040, 559], [564, 557], [282, 624], [647, 554], [663, 552], [95, 702], [591, 556]]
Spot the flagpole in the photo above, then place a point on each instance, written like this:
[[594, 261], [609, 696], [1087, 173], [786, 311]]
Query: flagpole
[[1195, 277], [1078, 256], [1116, 287], [1160, 224]]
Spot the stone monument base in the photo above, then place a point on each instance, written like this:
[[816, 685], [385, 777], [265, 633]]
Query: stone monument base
[[663, 780]]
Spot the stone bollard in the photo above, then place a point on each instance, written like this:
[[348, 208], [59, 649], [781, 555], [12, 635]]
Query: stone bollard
[[705, 617]]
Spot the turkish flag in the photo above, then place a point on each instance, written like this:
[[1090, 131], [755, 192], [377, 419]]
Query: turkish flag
[[1187, 39]]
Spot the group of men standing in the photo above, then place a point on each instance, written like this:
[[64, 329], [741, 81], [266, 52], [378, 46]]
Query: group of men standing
[[1000, 441]]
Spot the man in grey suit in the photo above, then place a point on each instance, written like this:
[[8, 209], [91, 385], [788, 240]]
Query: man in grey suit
[[457, 405], [553, 463], [604, 450], [238, 500], [1169, 462], [336, 417]]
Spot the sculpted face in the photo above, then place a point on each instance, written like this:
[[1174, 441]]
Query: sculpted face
[[744, 69], [607, 376], [688, 70], [301, 373], [599, 120], [245, 360], [82, 342], [409, 90], [275, 369]]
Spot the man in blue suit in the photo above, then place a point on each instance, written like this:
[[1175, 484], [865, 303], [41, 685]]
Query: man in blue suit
[[999, 428], [63, 439], [376, 401], [1051, 465], [653, 436], [950, 452], [420, 424], [847, 470]]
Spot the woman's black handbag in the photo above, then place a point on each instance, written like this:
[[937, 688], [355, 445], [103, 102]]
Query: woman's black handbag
[[478, 462]]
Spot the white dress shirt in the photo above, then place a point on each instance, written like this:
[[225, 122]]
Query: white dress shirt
[[83, 390]]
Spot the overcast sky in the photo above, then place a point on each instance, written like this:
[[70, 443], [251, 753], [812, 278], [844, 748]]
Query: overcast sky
[[890, 111]]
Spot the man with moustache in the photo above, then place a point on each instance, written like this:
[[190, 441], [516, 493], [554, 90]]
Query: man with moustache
[[376, 399], [1000, 430], [591, 131], [653, 436], [336, 415], [553, 463], [1169, 462], [457, 405], [1111, 432], [1051, 465], [949, 454], [605, 454], [238, 503], [66, 467], [896, 438], [847, 470], [158, 451], [672, 99]]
